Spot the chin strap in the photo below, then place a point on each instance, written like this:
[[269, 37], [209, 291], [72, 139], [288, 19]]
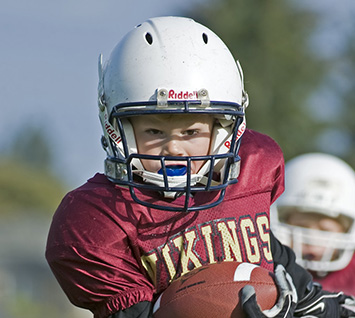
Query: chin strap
[[173, 182]]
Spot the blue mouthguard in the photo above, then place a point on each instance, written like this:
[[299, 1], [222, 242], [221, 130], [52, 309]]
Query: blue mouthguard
[[174, 170]]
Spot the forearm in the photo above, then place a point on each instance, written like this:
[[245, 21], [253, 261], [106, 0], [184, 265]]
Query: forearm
[[285, 256], [140, 310]]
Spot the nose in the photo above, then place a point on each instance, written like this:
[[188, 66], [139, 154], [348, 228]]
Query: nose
[[173, 147]]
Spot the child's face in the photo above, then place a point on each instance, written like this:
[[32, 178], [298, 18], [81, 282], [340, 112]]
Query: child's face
[[315, 221], [173, 135]]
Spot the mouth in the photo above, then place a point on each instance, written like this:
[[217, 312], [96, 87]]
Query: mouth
[[174, 170]]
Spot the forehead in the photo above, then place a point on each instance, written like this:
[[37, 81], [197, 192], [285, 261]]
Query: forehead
[[182, 119]]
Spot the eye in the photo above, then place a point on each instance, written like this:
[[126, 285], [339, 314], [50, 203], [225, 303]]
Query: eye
[[153, 131], [191, 132]]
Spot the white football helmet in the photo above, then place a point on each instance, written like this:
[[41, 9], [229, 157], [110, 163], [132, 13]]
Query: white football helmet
[[319, 184], [171, 65]]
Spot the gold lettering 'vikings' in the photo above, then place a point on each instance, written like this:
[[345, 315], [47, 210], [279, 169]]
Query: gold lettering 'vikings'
[[242, 240]]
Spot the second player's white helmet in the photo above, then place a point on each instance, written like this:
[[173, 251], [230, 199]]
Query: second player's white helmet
[[171, 65], [323, 184]]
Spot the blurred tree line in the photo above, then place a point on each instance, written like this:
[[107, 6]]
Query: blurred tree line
[[29, 194], [27, 182], [283, 73]]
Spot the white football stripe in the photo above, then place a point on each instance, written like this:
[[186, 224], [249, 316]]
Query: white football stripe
[[157, 304], [243, 272]]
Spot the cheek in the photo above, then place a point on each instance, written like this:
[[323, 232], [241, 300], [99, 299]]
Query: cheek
[[150, 165], [330, 226], [199, 147], [148, 147]]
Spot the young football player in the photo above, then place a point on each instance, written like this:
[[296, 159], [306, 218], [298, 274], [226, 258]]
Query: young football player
[[315, 216], [172, 106]]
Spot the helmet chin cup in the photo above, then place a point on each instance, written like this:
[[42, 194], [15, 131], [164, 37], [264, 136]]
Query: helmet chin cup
[[142, 181]]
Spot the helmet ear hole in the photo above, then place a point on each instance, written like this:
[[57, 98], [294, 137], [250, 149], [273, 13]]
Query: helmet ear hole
[[149, 38], [205, 38]]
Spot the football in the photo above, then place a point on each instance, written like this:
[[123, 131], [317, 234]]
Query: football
[[214, 290]]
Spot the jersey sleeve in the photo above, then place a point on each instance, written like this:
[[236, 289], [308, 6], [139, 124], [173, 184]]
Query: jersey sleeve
[[93, 259], [264, 164], [279, 179]]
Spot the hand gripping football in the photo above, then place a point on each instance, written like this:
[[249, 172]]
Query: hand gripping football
[[214, 290]]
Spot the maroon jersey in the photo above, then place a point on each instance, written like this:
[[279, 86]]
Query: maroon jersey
[[343, 280], [109, 252]]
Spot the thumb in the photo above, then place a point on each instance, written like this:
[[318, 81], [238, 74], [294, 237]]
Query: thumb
[[249, 303], [248, 292]]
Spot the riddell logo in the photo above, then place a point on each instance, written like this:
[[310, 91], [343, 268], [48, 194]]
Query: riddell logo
[[112, 132], [240, 132], [182, 95]]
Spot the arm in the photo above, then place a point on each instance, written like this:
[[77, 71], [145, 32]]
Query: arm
[[299, 295], [140, 310], [285, 256], [313, 300], [93, 259]]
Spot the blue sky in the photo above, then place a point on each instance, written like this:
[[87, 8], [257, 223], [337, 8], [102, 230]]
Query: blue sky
[[48, 69], [48, 73]]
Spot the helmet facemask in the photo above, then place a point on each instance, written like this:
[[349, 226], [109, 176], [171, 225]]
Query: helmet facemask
[[335, 249], [123, 164]]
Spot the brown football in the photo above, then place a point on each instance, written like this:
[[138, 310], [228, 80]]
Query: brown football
[[214, 290]]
